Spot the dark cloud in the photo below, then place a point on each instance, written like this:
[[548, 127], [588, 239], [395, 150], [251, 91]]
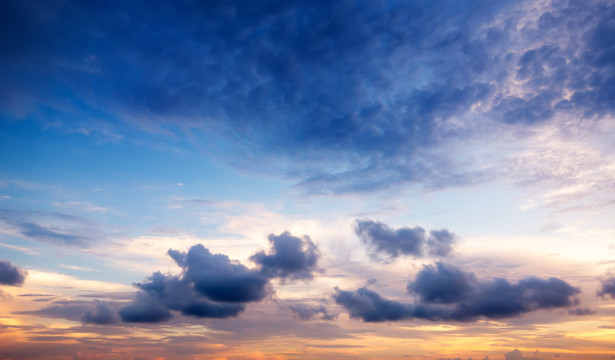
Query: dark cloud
[[369, 306], [104, 314], [218, 278], [442, 284], [382, 240], [163, 293], [145, 309], [309, 312], [448, 294], [376, 98], [52, 228], [11, 274], [581, 311], [290, 257], [379, 89], [214, 286], [608, 288], [440, 242]]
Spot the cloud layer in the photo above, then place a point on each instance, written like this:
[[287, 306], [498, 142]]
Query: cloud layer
[[366, 109], [446, 293]]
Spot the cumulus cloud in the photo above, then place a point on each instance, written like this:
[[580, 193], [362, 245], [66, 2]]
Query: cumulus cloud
[[104, 314], [11, 274], [211, 285], [214, 286], [608, 288], [145, 309], [369, 306], [218, 278], [449, 294], [386, 243], [442, 284], [290, 257]]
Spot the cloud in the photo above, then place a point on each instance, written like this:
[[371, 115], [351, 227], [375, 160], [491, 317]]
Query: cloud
[[581, 311], [447, 294], [218, 278], [145, 309], [211, 286], [105, 314], [369, 306], [291, 257], [11, 274], [380, 89], [608, 288], [370, 108], [52, 228], [214, 286], [518, 355], [381, 239], [442, 284], [77, 310], [309, 312], [440, 242]]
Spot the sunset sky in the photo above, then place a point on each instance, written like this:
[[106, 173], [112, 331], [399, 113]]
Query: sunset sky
[[280, 179]]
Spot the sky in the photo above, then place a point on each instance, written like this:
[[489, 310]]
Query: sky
[[429, 180]]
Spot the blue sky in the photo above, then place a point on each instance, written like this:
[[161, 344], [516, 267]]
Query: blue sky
[[307, 179]]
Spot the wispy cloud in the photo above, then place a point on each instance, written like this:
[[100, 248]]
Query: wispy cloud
[[52, 228]]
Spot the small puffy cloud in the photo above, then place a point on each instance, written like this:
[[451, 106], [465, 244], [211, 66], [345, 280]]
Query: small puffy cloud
[[11, 274], [384, 241], [290, 257], [105, 314], [608, 288], [309, 312], [446, 293]]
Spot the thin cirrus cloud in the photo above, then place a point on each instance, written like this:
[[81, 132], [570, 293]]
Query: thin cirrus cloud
[[52, 228], [386, 243], [11, 274], [362, 111], [446, 293], [214, 286]]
